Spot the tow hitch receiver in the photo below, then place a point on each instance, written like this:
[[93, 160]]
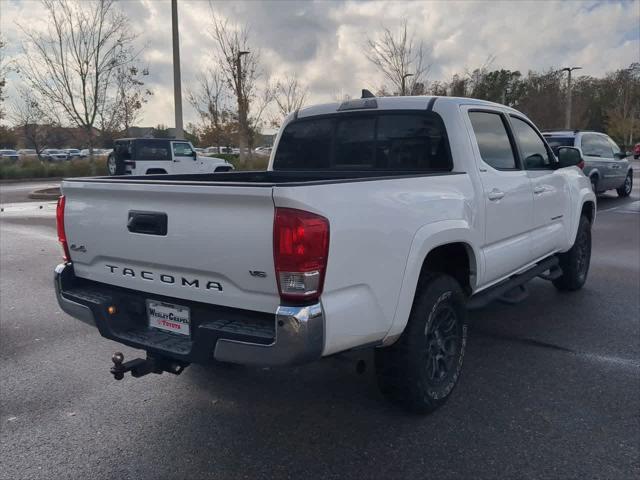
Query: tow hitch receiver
[[141, 367]]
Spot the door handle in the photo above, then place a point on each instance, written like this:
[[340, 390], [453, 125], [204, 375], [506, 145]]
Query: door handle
[[495, 195], [615, 167], [539, 190]]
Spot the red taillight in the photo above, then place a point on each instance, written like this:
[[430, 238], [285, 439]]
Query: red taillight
[[580, 164], [300, 251], [62, 237]]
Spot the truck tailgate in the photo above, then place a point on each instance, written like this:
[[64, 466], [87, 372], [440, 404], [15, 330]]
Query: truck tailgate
[[217, 248]]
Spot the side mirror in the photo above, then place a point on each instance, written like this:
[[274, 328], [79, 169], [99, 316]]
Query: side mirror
[[569, 157], [534, 161], [621, 155]]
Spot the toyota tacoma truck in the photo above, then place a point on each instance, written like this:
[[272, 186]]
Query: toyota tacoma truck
[[378, 223]]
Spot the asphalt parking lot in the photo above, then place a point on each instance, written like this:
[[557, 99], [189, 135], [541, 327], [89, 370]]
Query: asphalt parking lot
[[550, 389]]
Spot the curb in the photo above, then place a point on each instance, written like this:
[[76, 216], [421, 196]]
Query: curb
[[45, 194]]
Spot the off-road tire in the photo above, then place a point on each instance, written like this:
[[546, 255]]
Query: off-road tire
[[115, 165], [575, 263], [436, 332], [627, 186]]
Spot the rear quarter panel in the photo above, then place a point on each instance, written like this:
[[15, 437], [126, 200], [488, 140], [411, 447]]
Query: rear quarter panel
[[373, 228]]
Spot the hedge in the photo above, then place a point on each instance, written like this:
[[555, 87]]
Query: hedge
[[34, 168]]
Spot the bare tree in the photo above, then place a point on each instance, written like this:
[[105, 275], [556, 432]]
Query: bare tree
[[401, 59], [121, 112], [623, 115], [72, 66], [261, 102], [239, 65], [210, 99], [4, 70], [289, 96], [27, 115]]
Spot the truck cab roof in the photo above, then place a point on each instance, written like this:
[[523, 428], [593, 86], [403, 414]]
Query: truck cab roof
[[393, 103]]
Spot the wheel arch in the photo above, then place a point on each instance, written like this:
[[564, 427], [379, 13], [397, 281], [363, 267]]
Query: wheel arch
[[589, 210], [433, 248]]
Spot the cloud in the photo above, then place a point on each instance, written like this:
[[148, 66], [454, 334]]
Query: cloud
[[323, 42]]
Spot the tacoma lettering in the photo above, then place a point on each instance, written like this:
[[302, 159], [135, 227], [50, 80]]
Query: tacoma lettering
[[165, 278]]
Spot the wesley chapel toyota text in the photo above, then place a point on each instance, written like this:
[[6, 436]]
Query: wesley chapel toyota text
[[378, 223]]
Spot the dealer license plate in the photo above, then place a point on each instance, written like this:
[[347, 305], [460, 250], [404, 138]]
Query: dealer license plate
[[169, 317]]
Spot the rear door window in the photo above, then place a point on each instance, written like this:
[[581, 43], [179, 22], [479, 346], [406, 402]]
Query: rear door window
[[385, 141], [493, 140], [604, 147], [590, 145], [152, 150]]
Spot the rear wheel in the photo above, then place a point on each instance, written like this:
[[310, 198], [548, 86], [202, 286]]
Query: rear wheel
[[575, 263], [594, 183], [422, 368], [627, 186]]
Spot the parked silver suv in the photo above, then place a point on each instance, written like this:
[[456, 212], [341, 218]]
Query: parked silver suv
[[604, 163]]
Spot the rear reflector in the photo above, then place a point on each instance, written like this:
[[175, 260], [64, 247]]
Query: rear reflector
[[300, 252], [62, 237]]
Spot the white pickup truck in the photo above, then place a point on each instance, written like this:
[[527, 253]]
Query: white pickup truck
[[378, 223]]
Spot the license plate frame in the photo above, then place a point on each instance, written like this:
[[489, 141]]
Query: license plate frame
[[169, 317]]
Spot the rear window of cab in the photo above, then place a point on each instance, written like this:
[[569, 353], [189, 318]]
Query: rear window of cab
[[372, 141]]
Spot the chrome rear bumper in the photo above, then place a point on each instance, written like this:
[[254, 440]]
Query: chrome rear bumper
[[298, 333]]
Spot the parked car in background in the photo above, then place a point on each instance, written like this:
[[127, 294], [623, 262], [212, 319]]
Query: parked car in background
[[199, 151], [218, 150], [27, 153], [54, 155], [11, 155], [72, 153], [149, 156], [606, 165], [262, 151], [636, 151]]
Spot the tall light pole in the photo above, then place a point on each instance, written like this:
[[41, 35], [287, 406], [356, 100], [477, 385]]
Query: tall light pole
[[177, 83], [567, 122], [242, 107], [403, 92]]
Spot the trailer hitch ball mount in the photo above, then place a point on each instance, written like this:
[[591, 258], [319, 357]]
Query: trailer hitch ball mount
[[140, 367]]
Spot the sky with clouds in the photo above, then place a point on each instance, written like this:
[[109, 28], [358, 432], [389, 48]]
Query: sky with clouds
[[322, 42]]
